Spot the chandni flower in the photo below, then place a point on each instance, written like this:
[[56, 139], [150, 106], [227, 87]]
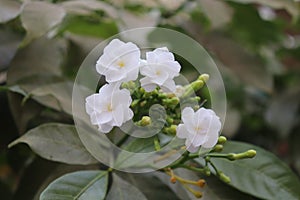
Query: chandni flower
[[200, 128], [159, 69], [109, 107], [119, 62]]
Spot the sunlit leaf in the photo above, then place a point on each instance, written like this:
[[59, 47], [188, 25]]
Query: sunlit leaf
[[264, 176], [62, 142], [81, 185], [85, 7], [9, 9], [120, 189], [48, 15]]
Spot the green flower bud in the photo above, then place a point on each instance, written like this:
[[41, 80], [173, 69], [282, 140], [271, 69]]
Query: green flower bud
[[222, 140], [204, 77], [251, 153], [171, 130], [218, 148], [223, 177], [145, 121]]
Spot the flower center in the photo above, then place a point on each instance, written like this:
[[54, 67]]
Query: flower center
[[121, 64], [109, 108], [158, 72]]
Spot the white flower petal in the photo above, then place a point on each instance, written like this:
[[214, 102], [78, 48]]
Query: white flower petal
[[118, 115], [169, 86], [120, 61], [181, 131], [190, 147], [105, 128]]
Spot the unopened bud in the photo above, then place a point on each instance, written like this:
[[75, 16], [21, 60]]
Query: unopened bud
[[204, 77], [145, 121], [171, 130], [251, 153], [222, 140], [218, 148], [223, 177]]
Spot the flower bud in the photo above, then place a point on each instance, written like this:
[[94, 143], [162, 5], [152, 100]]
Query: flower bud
[[218, 148], [223, 177], [251, 153], [145, 121], [222, 140], [171, 130], [204, 77]]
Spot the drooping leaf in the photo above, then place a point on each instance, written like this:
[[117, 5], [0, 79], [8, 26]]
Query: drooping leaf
[[9, 9], [264, 176], [121, 189], [42, 58], [81, 185], [9, 42], [57, 96], [48, 15], [61, 141]]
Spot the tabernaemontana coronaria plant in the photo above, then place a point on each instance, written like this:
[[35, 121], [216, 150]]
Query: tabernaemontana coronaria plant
[[144, 116]]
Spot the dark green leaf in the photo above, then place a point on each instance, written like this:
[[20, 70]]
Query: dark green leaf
[[62, 142], [81, 185], [120, 189], [264, 176]]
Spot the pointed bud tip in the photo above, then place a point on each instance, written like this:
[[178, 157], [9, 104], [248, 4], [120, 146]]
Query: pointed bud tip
[[251, 153], [204, 77]]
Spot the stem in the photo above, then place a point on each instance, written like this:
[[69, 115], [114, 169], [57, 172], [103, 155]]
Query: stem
[[122, 140]]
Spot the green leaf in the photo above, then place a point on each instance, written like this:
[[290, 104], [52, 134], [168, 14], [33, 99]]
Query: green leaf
[[290, 5], [9, 9], [57, 96], [48, 15], [81, 185], [43, 57], [57, 142], [264, 176], [121, 189]]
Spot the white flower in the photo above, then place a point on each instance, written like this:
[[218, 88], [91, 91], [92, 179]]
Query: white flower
[[200, 128], [159, 69], [119, 62], [109, 107]]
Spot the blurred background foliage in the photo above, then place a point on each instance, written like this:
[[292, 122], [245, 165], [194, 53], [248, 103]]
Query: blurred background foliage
[[255, 43]]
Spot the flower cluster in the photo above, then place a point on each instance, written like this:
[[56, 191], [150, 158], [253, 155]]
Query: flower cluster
[[113, 105]]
